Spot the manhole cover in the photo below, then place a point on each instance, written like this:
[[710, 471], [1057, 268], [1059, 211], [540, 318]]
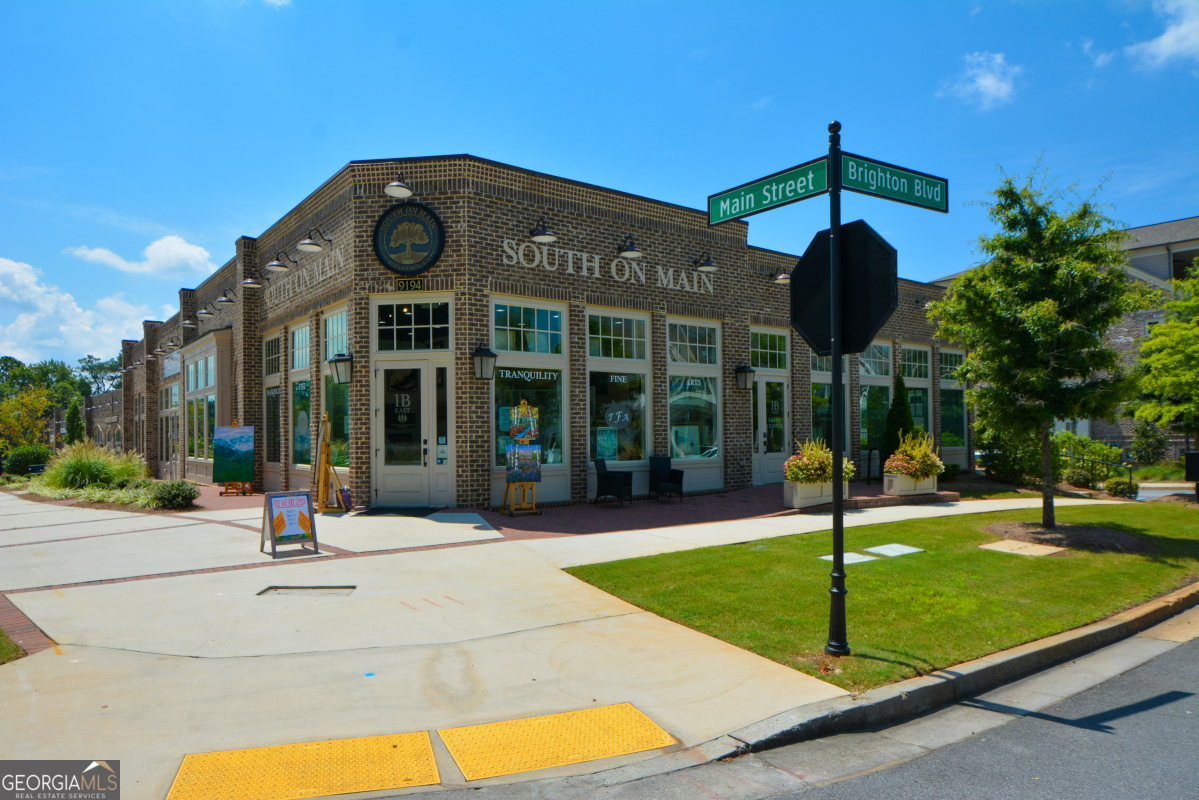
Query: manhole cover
[[311, 591]]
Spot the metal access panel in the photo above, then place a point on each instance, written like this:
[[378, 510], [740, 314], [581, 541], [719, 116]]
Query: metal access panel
[[869, 289]]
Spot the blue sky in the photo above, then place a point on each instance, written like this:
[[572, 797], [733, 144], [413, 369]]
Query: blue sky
[[139, 140]]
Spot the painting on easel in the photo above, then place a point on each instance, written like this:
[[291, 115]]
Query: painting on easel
[[523, 464], [524, 425]]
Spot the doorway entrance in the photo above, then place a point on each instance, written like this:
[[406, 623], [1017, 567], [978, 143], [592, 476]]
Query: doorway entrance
[[771, 430], [413, 465]]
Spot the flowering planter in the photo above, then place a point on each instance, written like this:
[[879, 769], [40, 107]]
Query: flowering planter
[[802, 495], [902, 485]]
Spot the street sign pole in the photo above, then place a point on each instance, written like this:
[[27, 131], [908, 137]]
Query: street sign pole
[[837, 644]]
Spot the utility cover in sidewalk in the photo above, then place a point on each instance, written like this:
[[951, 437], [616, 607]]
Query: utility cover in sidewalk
[[1021, 548], [523, 745], [310, 769], [851, 558], [893, 550], [310, 591]]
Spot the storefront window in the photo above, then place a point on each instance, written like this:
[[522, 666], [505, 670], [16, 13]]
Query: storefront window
[[615, 337], [210, 426], [822, 415], [876, 361], [337, 405], [201, 374], [825, 364], [542, 388], [413, 326], [768, 350], [191, 377], [915, 363], [617, 402], [301, 433], [950, 363], [299, 348], [693, 432], [211, 371], [953, 418], [337, 339], [273, 442], [918, 400], [191, 428], [524, 329], [690, 344], [270, 356], [873, 404]]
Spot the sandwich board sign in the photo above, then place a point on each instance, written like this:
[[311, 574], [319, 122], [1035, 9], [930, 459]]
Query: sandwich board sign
[[287, 519]]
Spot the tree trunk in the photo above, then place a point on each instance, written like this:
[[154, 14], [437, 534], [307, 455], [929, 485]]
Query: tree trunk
[[1047, 517]]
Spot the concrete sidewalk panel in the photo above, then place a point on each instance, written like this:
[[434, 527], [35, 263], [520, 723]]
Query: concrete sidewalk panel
[[60, 515], [362, 533], [128, 523], [1182, 628]]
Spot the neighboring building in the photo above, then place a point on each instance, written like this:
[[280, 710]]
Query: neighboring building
[[103, 419], [623, 357]]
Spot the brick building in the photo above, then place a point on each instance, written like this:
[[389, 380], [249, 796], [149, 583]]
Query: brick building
[[623, 357]]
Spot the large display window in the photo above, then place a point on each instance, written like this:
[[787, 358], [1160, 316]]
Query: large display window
[[693, 417], [301, 416], [542, 389], [617, 403], [337, 406]]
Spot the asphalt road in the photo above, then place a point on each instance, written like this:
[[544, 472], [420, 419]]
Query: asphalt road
[[1137, 735]]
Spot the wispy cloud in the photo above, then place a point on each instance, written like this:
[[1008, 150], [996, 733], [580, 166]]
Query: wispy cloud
[[988, 80], [170, 258], [50, 323], [1100, 58], [759, 104], [278, 3], [1180, 41]]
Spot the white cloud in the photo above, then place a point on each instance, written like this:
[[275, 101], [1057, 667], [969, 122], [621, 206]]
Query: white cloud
[[1100, 58], [49, 323], [987, 80], [759, 104], [278, 3], [170, 258], [1180, 40]]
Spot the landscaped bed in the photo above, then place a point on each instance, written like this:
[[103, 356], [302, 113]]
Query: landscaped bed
[[916, 613]]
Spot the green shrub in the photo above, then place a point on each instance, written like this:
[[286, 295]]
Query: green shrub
[[86, 463], [18, 460], [170, 494], [1149, 443], [1079, 477], [1121, 487], [899, 419], [951, 471]]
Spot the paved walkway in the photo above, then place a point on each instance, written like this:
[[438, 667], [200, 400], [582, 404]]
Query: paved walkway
[[163, 643]]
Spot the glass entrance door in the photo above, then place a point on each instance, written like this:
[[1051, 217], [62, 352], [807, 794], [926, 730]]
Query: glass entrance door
[[771, 431], [412, 462]]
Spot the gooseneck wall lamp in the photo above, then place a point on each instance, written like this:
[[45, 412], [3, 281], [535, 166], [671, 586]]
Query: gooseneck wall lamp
[[541, 234], [254, 279], [705, 263], [206, 312], [280, 264], [629, 249], [783, 278], [310, 245], [189, 323], [225, 299], [398, 188]]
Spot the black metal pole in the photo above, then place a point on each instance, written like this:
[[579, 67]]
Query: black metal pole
[[838, 644]]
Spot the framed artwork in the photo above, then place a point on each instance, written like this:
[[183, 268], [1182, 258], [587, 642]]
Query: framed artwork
[[233, 454], [685, 441], [523, 463], [606, 441], [524, 421]]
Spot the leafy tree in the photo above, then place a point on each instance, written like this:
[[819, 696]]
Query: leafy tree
[[1170, 361], [1034, 316], [21, 418], [100, 374], [74, 422], [899, 419], [1149, 443], [64, 393], [8, 366]]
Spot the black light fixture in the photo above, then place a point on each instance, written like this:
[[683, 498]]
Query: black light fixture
[[137, 363], [149, 356], [398, 188], [225, 299], [343, 368], [783, 277], [704, 263], [745, 376], [158, 351], [281, 265], [542, 234], [189, 323], [310, 245], [206, 312], [629, 249], [484, 362], [254, 279]]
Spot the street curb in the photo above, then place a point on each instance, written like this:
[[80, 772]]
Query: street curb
[[901, 701]]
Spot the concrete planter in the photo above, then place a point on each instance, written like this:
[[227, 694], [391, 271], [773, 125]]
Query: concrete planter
[[802, 495], [901, 485]]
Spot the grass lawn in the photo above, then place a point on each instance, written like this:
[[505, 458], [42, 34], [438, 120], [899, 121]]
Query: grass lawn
[[916, 613], [8, 650]]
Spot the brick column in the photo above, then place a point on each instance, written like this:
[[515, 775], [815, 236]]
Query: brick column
[[246, 399], [284, 408], [934, 365], [150, 406], [853, 389], [187, 310], [315, 389], [738, 416], [801, 391], [659, 383], [127, 360], [359, 330], [576, 418]]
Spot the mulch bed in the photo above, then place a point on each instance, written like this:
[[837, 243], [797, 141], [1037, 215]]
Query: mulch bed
[[1073, 537], [1177, 497]]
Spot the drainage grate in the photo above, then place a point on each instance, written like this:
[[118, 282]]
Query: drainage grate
[[311, 591]]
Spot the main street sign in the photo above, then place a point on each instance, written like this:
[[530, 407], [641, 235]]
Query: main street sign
[[867, 176], [789, 186]]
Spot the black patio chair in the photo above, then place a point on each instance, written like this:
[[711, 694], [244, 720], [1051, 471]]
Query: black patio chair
[[663, 479], [612, 484]]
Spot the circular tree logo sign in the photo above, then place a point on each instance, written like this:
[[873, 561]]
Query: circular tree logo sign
[[409, 238]]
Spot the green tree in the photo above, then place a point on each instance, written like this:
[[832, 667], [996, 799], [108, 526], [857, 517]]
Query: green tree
[[100, 374], [21, 418], [1034, 315], [63, 393], [9, 366], [1170, 362], [899, 419], [74, 422]]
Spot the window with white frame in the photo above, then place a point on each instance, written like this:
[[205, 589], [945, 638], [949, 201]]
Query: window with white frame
[[768, 350], [825, 364], [412, 326], [528, 329], [690, 344], [876, 361], [915, 363], [953, 401], [299, 348], [611, 336], [337, 337], [949, 364], [270, 356]]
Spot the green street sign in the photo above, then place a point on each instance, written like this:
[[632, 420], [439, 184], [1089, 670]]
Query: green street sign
[[789, 186], [867, 176]]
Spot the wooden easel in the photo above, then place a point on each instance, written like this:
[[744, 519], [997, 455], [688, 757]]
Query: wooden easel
[[521, 497], [324, 470], [237, 487]]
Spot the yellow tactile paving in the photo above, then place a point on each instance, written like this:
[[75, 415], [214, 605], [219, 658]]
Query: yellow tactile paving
[[522, 745], [311, 769]]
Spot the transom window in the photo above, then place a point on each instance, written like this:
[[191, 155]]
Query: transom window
[[876, 361], [299, 348], [690, 344], [414, 326], [615, 337], [949, 364], [270, 356], [768, 350], [526, 329], [337, 339], [915, 363], [825, 364]]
